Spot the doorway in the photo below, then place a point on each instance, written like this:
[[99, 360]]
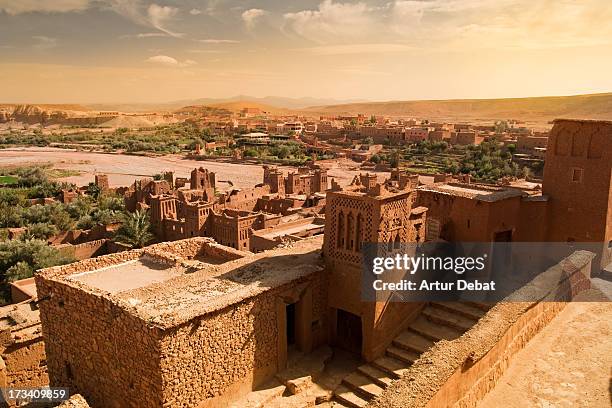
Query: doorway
[[348, 332], [291, 327]]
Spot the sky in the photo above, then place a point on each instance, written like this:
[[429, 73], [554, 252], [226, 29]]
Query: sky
[[85, 51]]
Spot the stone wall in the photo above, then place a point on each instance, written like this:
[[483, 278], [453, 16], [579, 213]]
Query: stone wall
[[459, 373], [75, 401], [222, 355], [24, 363], [22, 351], [98, 348]]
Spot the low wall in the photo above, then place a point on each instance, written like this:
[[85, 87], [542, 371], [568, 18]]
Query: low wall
[[461, 372], [84, 250]]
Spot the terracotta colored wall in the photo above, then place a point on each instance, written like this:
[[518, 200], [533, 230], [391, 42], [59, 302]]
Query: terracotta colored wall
[[97, 348], [460, 372]]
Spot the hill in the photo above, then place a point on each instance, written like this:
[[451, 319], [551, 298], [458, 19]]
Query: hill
[[536, 109], [276, 101], [239, 105]]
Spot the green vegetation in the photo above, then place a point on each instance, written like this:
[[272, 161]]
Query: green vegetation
[[19, 258], [488, 161], [44, 221], [285, 152], [8, 180], [174, 138], [135, 230]]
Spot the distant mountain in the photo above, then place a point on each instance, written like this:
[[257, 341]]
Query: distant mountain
[[236, 106], [277, 101], [537, 109]]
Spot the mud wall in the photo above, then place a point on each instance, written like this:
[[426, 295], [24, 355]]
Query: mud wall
[[215, 358], [461, 372]]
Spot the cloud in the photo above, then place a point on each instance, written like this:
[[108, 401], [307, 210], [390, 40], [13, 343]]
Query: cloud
[[169, 61], [44, 43], [154, 16], [454, 24], [149, 35], [196, 51], [347, 49], [251, 16], [14, 7], [333, 22], [218, 41], [195, 12], [159, 15]]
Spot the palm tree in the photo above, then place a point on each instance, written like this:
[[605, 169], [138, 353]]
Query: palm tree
[[135, 230]]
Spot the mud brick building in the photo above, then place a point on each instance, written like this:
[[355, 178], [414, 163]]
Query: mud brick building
[[578, 184], [193, 323], [367, 212], [179, 324], [22, 350], [574, 205], [229, 217], [304, 182]]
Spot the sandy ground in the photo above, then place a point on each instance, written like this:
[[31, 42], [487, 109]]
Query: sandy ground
[[567, 364], [124, 169]]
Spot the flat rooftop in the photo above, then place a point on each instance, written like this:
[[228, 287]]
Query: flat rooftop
[[126, 276], [167, 289], [474, 191], [293, 229], [27, 286]]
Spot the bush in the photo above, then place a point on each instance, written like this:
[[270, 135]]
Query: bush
[[41, 231], [21, 270]]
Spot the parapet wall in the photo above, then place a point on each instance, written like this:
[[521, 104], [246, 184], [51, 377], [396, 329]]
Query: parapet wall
[[461, 372], [84, 250]]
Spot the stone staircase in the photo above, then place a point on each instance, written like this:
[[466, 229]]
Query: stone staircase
[[437, 321]]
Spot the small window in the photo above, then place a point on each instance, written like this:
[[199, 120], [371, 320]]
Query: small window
[[577, 175], [68, 370]]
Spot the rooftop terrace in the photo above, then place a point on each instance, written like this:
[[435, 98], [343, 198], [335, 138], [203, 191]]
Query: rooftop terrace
[[170, 283], [475, 191]]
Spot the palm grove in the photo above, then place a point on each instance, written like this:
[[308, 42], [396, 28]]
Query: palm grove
[[21, 257]]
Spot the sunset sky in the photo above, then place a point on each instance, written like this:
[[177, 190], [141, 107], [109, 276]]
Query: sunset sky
[[62, 51]]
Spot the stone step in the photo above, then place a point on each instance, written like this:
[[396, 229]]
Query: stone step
[[378, 376], [412, 341], [464, 309], [348, 398], [406, 356], [433, 331], [362, 385], [392, 366], [480, 305], [450, 319]]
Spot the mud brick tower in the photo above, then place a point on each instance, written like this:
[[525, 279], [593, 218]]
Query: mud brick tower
[[361, 214]]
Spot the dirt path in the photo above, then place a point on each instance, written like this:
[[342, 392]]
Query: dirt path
[[567, 364]]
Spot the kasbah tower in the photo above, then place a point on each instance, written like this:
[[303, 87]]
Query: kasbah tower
[[578, 181]]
